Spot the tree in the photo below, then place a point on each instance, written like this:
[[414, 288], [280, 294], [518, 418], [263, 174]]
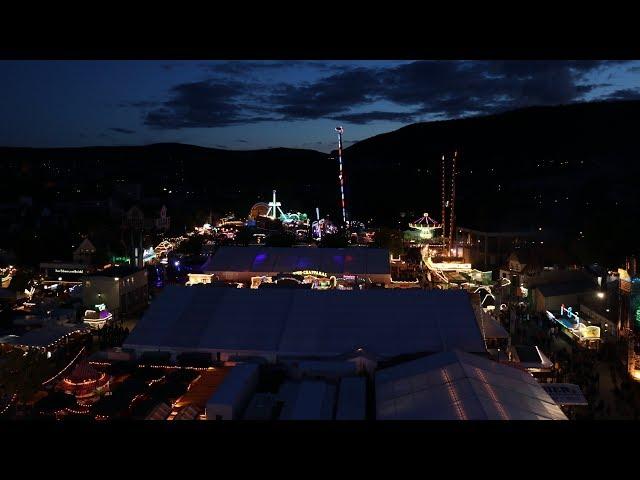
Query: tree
[[334, 240], [22, 373], [192, 246], [280, 239], [391, 240], [244, 236], [414, 256]]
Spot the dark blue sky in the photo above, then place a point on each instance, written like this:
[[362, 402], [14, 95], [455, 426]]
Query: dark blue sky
[[260, 104]]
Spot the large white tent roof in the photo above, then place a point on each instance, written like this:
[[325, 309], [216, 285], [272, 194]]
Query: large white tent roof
[[355, 260], [461, 386], [297, 322]]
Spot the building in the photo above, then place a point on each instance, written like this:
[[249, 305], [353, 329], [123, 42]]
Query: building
[[551, 296], [233, 323], [85, 383], [240, 264], [532, 359], [307, 400], [461, 386], [490, 248], [147, 217], [263, 406], [64, 272], [47, 339], [121, 289], [326, 369], [85, 253], [200, 278], [233, 395], [599, 310], [528, 268], [352, 399]]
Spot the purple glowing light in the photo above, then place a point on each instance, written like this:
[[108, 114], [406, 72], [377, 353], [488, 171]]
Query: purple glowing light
[[259, 260]]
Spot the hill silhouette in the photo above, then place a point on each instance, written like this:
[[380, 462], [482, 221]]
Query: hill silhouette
[[570, 168]]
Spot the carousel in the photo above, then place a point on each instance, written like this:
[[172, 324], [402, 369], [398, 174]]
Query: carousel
[[423, 230], [85, 383]]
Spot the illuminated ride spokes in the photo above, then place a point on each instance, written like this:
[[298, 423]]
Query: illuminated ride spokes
[[425, 222], [274, 208]]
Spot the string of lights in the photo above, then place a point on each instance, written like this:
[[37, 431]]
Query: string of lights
[[64, 369], [444, 206], [452, 222], [454, 396], [492, 394], [13, 399], [340, 131]]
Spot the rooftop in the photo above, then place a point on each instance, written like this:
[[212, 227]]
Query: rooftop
[[355, 260], [565, 288], [117, 271], [308, 400], [461, 386], [386, 322], [46, 336], [352, 399], [233, 384]]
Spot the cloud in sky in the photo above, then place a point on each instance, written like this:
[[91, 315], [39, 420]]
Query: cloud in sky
[[122, 130], [200, 104], [353, 94], [367, 117], [625, 94]]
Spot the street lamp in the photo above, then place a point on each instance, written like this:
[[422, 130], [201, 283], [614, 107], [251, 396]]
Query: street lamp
[[600, 294]]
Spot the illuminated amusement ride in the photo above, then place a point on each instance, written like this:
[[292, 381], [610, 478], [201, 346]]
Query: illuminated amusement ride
[[340, 131], [288, 219]]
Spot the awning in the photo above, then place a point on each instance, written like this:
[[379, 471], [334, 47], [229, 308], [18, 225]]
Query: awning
[[492, 328], [565, 393]]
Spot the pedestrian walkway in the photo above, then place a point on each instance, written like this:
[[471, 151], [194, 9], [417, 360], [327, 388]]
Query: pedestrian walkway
[[600, 389]]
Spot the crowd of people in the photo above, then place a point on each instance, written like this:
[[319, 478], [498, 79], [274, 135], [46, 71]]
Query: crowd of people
[[617, 398]]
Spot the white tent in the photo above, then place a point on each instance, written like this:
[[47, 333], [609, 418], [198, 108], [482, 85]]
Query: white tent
[[306, 323], [461, 386]]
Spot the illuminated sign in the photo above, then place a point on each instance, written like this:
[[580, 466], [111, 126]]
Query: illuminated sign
[[590, 332], [568, 311], [64, 270], [452, 266], [624, 275], [315, 273], [120, 259]]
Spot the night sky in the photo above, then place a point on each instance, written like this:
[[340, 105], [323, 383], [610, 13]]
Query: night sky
[[262, 104]]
